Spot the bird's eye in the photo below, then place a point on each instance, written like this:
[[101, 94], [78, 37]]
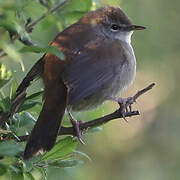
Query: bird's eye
[[114, 27]]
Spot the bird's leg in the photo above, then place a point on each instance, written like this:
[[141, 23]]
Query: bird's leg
[[125, 105], [76, 125]]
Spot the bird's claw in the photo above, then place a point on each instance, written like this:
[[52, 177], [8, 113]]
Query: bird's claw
[[76, 124], [126, 106]]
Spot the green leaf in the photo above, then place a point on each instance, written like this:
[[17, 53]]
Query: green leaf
[[2, 106], [23, 123], [13, 53], [28, 176], [15, 169], [62, 148], [16, 175], [74, 11], [14, 86], [24, 36], [48, 49], [43, 172], [82, 5], [10, 148], [27, 166], [3, 169], [64, 164], [28, 105], [3, 82], [83, 154], [5, 75], [10, 5], [35, 96], [10, 27], [24, 119], [31, 101], [71, 17], [5, 104]]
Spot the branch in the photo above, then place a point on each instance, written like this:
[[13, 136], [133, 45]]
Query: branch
[[139, 93], [51, 11], [96, 122], [84, 126]]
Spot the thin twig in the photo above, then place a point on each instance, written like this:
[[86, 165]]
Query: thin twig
[[139, 93], [96, 122], [51, 11]]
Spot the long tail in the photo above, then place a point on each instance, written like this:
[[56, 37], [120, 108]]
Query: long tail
[[35, 72], [45, 131]]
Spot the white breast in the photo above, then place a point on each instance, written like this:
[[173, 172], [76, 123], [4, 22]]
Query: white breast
[[128, 70]]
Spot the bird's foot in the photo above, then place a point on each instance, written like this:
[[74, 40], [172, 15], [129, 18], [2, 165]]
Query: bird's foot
[[125, 105], [76, 124]]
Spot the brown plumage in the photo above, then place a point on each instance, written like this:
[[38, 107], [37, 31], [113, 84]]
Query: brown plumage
[[99, 64]]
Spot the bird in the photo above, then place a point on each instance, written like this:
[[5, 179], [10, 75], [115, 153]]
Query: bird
[[99, 65]]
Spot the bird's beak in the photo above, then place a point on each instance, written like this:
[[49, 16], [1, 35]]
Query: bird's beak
[[135, 27]]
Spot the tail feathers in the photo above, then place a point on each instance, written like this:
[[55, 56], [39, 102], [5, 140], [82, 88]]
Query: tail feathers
[[35, 71], [45, 131], [43, 136]]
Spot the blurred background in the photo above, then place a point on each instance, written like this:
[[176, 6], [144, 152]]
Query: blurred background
[[147, 147]]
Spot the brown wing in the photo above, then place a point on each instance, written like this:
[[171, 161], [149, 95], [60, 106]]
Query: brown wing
[[93, 67]]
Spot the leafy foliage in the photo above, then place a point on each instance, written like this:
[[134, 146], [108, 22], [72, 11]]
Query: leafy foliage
[[48, 49], [16, 39]]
